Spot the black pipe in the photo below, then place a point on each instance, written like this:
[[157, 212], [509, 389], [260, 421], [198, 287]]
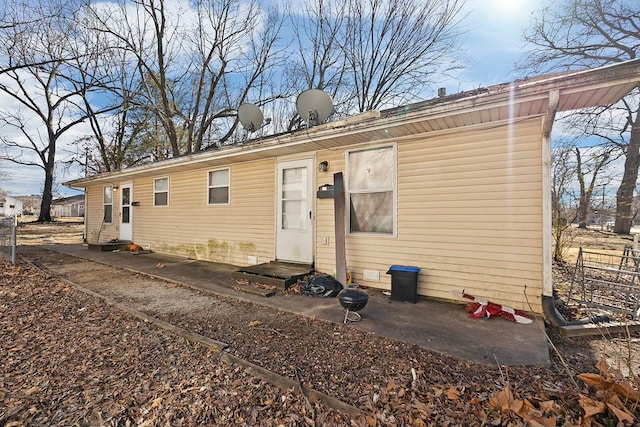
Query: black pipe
[[552, 314]]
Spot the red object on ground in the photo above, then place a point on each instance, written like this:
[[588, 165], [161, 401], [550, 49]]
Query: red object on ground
[[483, 308]]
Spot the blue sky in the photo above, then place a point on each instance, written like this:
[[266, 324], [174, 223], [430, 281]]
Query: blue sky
[[492, 44]]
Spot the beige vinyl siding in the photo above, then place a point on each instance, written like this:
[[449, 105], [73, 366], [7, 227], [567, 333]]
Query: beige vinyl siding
[[469, 216], [325, 228], [97, 232], [224, 233]]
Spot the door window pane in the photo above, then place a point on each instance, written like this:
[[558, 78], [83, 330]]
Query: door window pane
[[293, 215], [125, 214], [126, 196], [294, 182]]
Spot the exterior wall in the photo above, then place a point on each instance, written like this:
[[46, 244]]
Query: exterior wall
[[469, 216], [97, 231], [222, 233], [68, 209], [10, 206]]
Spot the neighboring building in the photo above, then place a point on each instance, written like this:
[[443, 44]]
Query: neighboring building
[[414, 176], [72, 206], [10, 206], [30, 204]]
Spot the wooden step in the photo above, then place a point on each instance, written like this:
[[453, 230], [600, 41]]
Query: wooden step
[[274, 273], [109, 246]]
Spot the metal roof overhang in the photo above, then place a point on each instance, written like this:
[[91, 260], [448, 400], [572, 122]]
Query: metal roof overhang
[[500, 103]]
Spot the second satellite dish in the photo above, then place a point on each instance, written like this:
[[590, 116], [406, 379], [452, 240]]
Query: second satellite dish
[[314, 106], [250, 117]]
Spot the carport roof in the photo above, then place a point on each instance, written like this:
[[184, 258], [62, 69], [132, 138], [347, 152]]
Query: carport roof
[[506, 102]]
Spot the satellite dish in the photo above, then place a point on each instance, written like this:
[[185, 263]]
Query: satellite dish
[[314, 106], [250, 117]]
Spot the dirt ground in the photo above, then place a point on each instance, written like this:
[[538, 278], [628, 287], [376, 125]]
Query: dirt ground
[[72, 360]]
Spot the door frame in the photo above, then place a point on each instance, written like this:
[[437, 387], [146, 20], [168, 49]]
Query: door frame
[[126, 229], [288, 246]]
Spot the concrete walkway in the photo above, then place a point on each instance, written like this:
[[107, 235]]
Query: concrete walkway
[[438, 326]]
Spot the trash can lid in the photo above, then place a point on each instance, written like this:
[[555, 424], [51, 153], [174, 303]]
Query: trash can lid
[[404, 268]]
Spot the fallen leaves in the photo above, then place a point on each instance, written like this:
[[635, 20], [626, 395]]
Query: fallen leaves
[[539, 416], [129, 373], [79, 361], [611, 387]]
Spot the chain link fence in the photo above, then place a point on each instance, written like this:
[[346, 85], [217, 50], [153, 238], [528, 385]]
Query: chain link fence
[[8, 238]]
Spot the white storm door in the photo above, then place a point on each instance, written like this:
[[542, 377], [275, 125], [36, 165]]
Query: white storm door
[[126, 213], [294, 236]]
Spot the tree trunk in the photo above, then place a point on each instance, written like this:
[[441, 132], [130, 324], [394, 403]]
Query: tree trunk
[[47, 196], [583, 207], [47, 192], [585, 196], [624, 196]]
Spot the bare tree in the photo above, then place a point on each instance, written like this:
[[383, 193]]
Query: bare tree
[[195, 65], [563, 206], [590, 163], [395, 48], [587, 33], [9, 21], [48, 97], [320, 62]]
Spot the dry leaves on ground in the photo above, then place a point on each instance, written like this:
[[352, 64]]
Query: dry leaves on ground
[[73, 359]]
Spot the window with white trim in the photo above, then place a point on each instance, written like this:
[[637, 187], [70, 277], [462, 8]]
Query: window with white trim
[[161, 192], [107, 202], [218, 187], [371, 188]]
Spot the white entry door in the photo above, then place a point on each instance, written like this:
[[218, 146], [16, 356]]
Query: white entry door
[[294, 237], [126, 213]]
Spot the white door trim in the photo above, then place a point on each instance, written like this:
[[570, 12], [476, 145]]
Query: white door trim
[[126, 211], [295, 228]]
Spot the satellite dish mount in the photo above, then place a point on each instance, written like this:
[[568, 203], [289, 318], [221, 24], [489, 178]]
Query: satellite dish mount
[[314, 107], [250, 117]]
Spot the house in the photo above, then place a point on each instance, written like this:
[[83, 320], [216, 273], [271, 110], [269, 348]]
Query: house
[[10, 206], [30, 204], [72, 206], [414, 176]]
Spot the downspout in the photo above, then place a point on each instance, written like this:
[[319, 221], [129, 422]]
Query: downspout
[[549, 309], [85, 238]]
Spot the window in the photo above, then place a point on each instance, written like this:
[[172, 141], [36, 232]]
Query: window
[[161, 192], [371, 190], [107, 200], [219, 187]]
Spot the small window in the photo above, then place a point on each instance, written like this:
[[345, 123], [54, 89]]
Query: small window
[[161, 192], [219, 187], [371, 187], [107, 199]]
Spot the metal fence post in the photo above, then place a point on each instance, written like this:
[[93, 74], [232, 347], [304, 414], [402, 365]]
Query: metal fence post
[[14, 246]]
